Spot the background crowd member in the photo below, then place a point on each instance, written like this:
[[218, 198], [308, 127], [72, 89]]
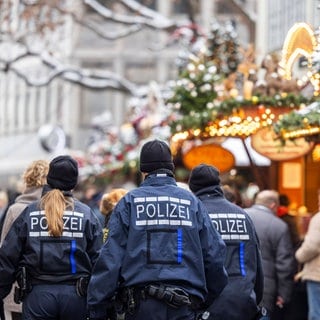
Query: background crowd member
[[162, 251], [276, 251], [297, 309], [107, 204], [309, 255], [56, 241], [34, 178], [232, 195], [243, 260], [92, 197], [284, 214], [4, 202]]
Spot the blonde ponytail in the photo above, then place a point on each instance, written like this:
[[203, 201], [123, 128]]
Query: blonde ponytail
[[54, 205]]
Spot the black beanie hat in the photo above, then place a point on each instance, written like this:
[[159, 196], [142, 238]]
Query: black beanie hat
[[63, 173], [203, 176], [155, 155]]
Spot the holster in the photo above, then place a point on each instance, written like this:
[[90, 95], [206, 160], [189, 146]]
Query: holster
[[173, 296], [82, 286], [128, 299], [24, 286]]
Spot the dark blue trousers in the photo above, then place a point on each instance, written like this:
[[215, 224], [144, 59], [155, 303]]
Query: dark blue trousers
[[153, 309], [54, 302]]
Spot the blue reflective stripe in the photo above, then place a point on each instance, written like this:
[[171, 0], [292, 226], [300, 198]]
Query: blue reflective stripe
[[179, 245], [241, 258], [72, 252]]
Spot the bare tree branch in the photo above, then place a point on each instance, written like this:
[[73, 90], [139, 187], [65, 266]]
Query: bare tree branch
[[107, 35], [87, 78], [54, 12]]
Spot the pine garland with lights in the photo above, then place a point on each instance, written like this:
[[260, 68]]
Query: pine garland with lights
[[197, 113], [299, 124], [199, 98]]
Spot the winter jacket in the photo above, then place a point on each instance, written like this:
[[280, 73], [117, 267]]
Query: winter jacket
[[243, 259], [309, 252], [50, 259], [158, 233], [277, 255]]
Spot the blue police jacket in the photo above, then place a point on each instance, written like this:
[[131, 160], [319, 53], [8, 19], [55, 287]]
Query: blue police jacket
[[240, 298], [50, 259], [158, 233]]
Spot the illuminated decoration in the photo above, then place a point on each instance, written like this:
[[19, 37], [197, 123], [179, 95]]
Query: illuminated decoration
[[242, 123], [200, 111], [314, 73], [206, 104], [297, 124], [266, 143], [316, 153], [300, 41], [211, 154], [301, 133]]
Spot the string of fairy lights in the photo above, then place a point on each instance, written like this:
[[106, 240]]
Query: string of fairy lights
[[199, 114]]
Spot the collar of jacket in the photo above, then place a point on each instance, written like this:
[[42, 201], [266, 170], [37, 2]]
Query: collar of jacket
[[209, 192], [29, 195], [159, 177], [47, 188], [161, 173], [261, 207]]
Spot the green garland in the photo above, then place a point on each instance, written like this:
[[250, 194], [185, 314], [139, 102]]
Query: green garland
[[295, 121], [197, 113]]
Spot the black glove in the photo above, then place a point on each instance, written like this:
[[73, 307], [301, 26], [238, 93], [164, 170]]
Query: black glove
[[203, 315], [2, 317]]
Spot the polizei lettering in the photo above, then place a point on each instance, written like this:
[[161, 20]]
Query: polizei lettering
[[72, 224], [231, 226], [162, 211]]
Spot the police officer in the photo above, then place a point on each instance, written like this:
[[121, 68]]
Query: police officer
[[240, 298], [162, 257], [52, 246]]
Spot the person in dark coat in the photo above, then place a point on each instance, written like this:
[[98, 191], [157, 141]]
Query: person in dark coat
[[52, 247], [162, 256], [297, 308], [284, 214], [239, 300], [277, 252]]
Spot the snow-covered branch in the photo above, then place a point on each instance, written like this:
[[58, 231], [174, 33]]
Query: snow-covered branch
[[143, 15], [37, 31], [94, 79]]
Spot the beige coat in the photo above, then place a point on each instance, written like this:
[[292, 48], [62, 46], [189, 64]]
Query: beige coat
[[309, 252]]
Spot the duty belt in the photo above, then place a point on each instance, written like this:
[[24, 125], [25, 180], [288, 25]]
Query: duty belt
[[173, 296]]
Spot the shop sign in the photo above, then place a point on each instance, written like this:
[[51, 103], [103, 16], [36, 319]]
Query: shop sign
[[265, 142], [211, 154]]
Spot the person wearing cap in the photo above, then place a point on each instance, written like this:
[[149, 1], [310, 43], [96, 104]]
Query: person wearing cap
[[51, 248], [162, 257], [239, 300]]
